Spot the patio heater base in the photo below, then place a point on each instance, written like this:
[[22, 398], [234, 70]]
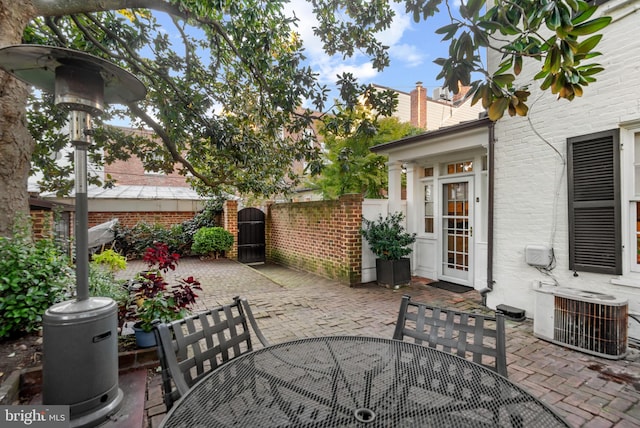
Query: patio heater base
[[80, 367]]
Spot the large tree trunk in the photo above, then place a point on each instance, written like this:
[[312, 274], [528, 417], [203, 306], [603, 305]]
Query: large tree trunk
[[16, 144]]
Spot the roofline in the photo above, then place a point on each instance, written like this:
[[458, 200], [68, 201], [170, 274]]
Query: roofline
[[425, 136], [49, 205], [389, 89]]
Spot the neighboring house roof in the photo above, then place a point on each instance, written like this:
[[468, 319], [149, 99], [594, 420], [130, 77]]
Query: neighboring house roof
[[139, 198], [144, 192], [441, 110]]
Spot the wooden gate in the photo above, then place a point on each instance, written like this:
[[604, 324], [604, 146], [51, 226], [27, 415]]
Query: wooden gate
[[251, 242]]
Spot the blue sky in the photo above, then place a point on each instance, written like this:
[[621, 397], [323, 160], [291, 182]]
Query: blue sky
[[413, 48]]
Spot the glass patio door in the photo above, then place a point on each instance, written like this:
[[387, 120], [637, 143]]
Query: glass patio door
[[457, 231]]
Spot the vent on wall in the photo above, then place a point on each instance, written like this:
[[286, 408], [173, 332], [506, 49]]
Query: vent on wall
[[591, 322]]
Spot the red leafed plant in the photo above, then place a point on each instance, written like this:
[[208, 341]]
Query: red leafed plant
[[159, 255], [154, 299]]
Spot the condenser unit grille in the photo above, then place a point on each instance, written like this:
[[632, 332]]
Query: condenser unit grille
[[597, 328]]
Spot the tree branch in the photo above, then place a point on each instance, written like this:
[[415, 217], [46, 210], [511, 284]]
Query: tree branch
[[170, 145]]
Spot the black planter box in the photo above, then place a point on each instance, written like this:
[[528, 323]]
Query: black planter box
[[393, 273]]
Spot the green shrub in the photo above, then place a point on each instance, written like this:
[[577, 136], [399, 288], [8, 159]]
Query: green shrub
[[211, 241], [33, 276], [103, 283], [132, 242], [386, 236], [111, 260]]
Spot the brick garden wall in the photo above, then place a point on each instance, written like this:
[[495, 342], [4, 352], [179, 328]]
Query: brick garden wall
[[322, 237], [129, 219], [230, 224]]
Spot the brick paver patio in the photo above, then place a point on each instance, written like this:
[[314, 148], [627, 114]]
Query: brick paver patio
[[587, 390]]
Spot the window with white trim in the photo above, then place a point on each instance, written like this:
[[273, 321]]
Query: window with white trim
[[427, 182], [635, 218]]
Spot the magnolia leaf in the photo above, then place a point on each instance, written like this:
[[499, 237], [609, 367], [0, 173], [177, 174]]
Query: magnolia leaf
[[503, 79], [474, 6], [548, 81], [517, 65], [522, 109], [590, 27], [448, 30], [577, 90], [573, 4], [497, 108], [589, 44], [583, 16]]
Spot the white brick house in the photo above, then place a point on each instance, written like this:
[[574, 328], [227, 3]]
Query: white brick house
[[531, 195]]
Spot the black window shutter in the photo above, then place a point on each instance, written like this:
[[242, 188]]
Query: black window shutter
[[595, 236]]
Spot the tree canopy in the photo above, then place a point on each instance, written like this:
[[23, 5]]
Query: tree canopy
[[224, 98], [350, 167]]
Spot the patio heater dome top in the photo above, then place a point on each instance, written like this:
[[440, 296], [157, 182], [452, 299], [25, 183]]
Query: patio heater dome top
[[80, 81]]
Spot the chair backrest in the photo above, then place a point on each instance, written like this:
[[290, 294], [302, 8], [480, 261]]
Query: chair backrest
[[468, 335], [192, 347]]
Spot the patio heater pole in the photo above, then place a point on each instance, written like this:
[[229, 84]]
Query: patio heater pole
[[80, 132], [80, 337]]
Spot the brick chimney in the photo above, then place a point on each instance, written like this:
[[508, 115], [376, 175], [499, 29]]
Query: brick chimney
[[462, 91], [419, 106]]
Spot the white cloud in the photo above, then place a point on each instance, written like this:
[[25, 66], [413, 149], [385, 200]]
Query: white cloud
[[410, 55], [359, 65]]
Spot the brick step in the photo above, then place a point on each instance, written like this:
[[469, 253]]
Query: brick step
[[131, 413]]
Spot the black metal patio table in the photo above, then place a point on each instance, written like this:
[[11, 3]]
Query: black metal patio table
[[349, 381]]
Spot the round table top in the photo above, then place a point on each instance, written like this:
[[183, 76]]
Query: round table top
[[346, 381]]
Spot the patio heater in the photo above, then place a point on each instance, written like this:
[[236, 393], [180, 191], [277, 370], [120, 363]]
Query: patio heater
[[80, 338]]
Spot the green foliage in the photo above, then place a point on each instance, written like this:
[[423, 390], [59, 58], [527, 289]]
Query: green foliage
[[33, 276], [133, 242], [212, 241], [351, 166], [241, 58], [206, 218], [387, 237], [226, 99], [517, 30], [102, 282], [111, 260]]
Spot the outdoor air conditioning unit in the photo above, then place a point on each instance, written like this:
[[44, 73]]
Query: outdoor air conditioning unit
[[441, 94], [587, 321]]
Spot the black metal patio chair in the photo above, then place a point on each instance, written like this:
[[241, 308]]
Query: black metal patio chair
[[192, 347], [468, 335]]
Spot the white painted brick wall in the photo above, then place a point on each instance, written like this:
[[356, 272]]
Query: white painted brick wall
[[527, 169]]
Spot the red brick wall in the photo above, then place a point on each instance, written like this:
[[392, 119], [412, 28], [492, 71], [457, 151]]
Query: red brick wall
[[41, 224], [322, 237], [230, 224], [132, 171], [129, 219]]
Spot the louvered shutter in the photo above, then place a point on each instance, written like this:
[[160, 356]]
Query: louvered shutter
[[594, 203]]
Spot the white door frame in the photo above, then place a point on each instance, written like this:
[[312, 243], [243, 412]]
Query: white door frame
[[461, 270]]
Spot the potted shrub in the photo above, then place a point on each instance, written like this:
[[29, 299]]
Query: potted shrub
[[212, 241], [153, 298], [390, 244]]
